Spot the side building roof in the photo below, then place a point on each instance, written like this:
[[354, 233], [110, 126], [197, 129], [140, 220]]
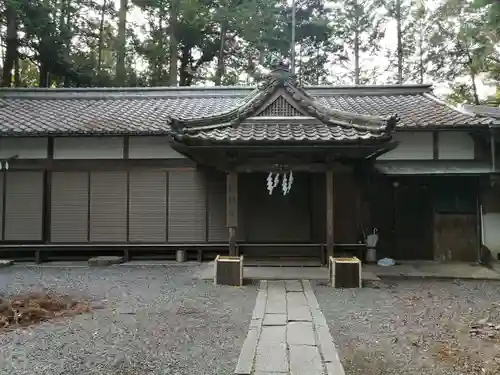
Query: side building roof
[[483, 111]]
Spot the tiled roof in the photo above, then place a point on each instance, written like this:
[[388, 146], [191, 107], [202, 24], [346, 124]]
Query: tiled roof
[[285, 131], [147, 111], [483, 111], [308, 119]]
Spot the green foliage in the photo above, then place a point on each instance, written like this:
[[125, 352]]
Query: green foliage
[[74, 42]]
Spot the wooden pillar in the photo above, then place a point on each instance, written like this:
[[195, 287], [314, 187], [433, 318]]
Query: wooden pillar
[[232, 210], [329, 213]]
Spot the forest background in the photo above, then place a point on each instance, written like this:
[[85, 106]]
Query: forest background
[[453, 44]]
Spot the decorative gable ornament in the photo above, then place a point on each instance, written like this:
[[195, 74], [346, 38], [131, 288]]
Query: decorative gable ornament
[[273, 180]]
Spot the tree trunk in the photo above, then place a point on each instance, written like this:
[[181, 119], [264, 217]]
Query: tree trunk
[[11, 52], [62, 79], [185, 77], [17, 72], [44, 78], [474, 88], [101, 39], [121, 43], [160, 60], [472, 72], [220, 61], [421, 53], [357, 69], [174, 10], [400, 42]]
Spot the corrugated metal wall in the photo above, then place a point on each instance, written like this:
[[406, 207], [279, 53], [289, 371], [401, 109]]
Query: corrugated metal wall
[[69, 207], [148, 206], [155, 206], [2, 177], [24, 206], [186, 207], [154, 214], [108, 206]]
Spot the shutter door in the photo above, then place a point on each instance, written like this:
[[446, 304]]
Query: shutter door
[[24, 206], [148, 206], [69, 207], [216, 185], [108, 206], [186, 207], [2, 176]]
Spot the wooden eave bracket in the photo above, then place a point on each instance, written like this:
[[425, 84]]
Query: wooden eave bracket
[[346, 119], [250, 105]]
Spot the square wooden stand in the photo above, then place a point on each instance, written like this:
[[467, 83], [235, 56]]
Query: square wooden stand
[[229, 270], [345, 272]]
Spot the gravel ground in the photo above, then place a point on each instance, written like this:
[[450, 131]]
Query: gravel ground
[[153, 320], [414, 327]]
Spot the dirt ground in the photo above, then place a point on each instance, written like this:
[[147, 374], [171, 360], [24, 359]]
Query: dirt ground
[[416, 327]]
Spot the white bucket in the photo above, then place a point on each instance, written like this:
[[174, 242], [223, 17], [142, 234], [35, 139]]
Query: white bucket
[[181, 256], [371, 255]]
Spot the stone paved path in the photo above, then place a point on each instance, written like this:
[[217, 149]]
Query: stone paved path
[[288, 334]]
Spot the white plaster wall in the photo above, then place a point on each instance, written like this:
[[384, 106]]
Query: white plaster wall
[[88, 148], [24, 148], [491, 232], [453, 145], [156, 147], [412, 146]]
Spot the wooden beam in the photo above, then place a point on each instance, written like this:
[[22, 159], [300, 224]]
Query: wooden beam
[[435, 145], [232, 209], [329, 213], [99, 164]]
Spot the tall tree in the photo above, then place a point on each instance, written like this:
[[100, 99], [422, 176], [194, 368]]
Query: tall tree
[[399, 36], [359, 27], [174, 44], [459, 47], [121, 44], [12, 42]]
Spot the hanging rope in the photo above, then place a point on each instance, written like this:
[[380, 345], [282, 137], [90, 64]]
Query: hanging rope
[[273, 180]]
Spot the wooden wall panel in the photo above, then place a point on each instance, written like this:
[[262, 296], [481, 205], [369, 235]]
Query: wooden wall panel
[[413, 221], [455, 145], [455, 237], [378, 201], [318, 207], [216, 206], [412, 146], [88, 148], [24, 148], [347, 229], [275, 218], [153, 147]]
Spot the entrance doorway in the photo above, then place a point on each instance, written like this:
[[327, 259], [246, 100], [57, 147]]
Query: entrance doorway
[[268, 223], [413, 221]]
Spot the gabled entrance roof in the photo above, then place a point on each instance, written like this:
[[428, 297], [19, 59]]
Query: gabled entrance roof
[[299, 117]]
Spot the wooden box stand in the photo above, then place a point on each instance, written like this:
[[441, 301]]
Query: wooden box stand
[[229, 270], [345, 272]]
